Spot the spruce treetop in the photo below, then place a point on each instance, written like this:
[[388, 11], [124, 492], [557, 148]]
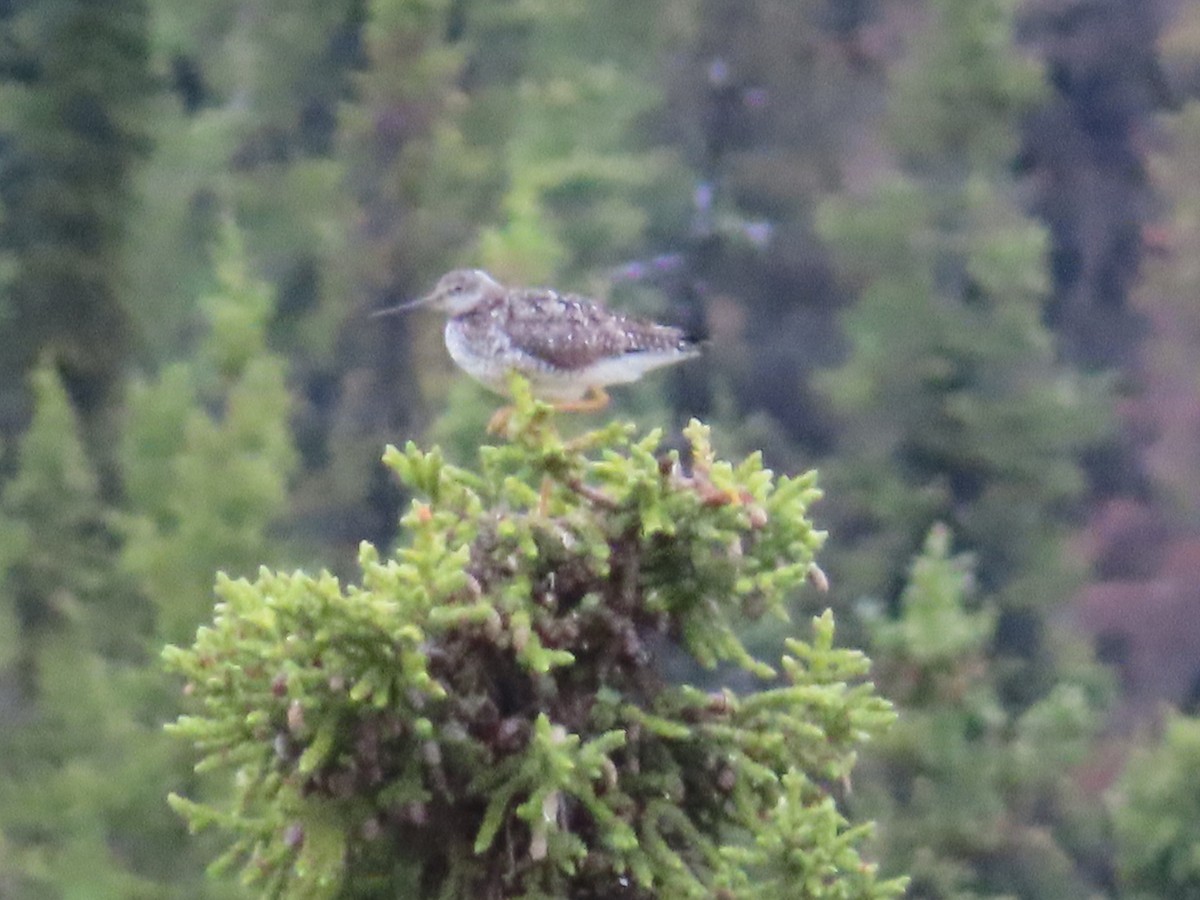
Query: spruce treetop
[[487, 711]]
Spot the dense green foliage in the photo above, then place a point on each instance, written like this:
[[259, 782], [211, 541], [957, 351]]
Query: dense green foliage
[[487, 713], [963, 787], [69, 754], [203, 485], [85, 766], [956, 407], [1157, 816], [74, 82], [957, 410]]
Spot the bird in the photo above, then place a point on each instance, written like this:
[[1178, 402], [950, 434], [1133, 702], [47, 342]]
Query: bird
[[569, 347]]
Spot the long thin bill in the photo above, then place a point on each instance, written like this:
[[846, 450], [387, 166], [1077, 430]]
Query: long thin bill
[[399, 308]]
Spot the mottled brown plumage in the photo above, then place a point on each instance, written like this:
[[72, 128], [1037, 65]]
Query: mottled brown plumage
[[569, 332]]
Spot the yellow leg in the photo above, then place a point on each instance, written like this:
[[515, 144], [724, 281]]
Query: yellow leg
[[595, 398], [498, 423]]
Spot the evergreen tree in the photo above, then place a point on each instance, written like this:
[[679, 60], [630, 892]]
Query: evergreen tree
[[486, 713], [70, 757], [1167, 414], [1156, 816], [57, 550], [418, 187], [206, 458], [771, 110], [962, 788], [208, 453], [74, 82], [953, 405], [954, 408], [1084, 150], [248, 129], [578, 160]]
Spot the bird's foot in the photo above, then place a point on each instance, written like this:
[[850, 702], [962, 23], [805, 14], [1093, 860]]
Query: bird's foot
[[595, 398], [498, 423]]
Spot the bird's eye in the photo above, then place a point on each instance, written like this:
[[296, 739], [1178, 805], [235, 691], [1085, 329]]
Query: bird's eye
[[457, 289]]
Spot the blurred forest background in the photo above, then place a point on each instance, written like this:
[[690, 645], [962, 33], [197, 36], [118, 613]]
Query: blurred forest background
[[946, 251]]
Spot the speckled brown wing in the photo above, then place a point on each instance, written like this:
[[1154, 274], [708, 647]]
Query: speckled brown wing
[[570, 332]]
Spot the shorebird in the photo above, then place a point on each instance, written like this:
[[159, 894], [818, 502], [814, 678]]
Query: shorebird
[[569, 347]]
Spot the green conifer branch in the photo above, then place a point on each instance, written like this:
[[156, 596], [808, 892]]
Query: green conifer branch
[[486, 714]]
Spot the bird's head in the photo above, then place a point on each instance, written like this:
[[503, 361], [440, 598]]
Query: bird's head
[[462, 290], [455, 293]]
